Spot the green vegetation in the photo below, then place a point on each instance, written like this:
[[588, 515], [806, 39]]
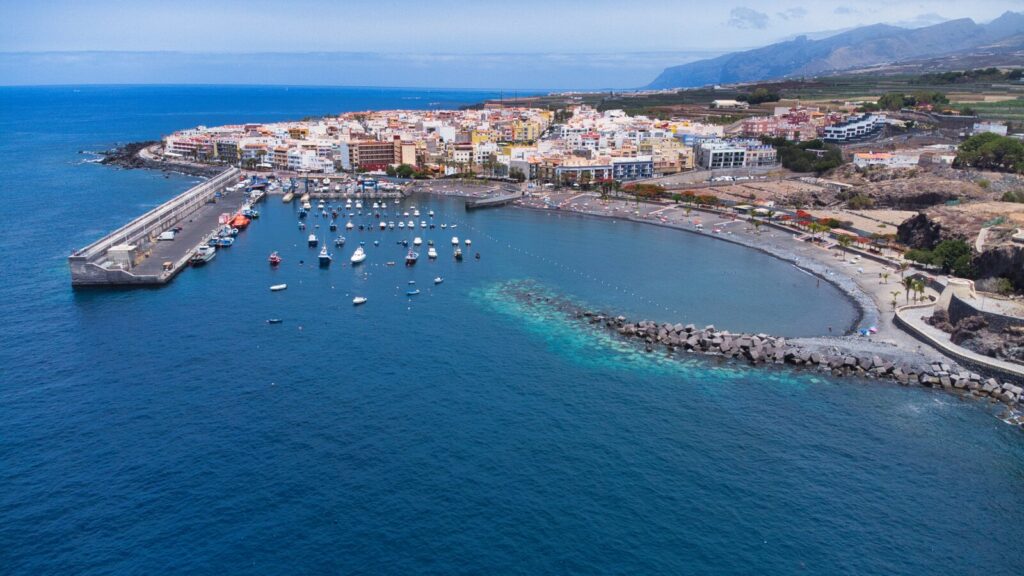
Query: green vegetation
[[1010, 110], [1013, 196], [898, 100], [759, 96], [860, 202], [405, 171], [516, 174], [992, 152], [976, 75], [952, 256], [811, 156]]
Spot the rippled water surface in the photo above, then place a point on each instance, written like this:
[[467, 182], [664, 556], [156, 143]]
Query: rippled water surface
[[458, 431]]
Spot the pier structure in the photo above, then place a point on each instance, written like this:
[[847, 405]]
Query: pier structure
[[134, 254], [494, 201]]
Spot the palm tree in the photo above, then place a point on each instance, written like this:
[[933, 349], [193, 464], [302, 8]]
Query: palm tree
[[845, 242], [885, 277], [895, 295], [918, 290], [903, 267], [757, 224], [908, 285]]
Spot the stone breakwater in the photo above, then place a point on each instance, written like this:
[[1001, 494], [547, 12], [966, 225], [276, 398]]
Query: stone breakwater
[[767, 350]]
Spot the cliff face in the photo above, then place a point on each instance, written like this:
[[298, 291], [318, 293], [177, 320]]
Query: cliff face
[[1005, 261], [919, 232]]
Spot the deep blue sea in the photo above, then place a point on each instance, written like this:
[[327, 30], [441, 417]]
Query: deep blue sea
[[457, 432]]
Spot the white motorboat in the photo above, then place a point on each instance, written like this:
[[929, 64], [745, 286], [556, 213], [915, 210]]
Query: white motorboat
[[358, 256], [468, 242], [325, 256], [405, 214], [391, 225], [401, 224], [416, 213], [203, 254], [417, 241], [383, 225], [349, 225], [278, 287], [359, 300], [443, 226], [438, 280], [431, 213], [423, 223], [455, 240], [312, 241], [432, 253], [410, 224]]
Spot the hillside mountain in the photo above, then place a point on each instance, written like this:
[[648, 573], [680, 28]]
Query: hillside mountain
[[858, 48]]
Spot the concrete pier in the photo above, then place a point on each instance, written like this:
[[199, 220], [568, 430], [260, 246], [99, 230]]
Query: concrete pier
[[132, 255], [493, 201]]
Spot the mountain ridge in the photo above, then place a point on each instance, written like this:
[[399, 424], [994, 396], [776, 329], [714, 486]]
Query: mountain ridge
[[861, 47]]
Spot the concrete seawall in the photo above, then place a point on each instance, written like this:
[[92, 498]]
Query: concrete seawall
[[93, 265]]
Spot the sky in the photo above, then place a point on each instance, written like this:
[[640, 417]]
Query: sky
[[443, 43]]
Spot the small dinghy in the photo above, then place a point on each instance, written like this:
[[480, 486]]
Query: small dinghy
[[278, 287], [358, 300], [412, 292], [274, 321], [438, 280]]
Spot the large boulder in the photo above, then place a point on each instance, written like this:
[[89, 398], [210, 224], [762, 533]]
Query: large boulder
[[919, 232]]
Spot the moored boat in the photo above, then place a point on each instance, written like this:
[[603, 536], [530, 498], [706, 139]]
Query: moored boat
[[432, 253], [312, 241], [325, 257], [411, 258], [438, 280], [278, 287], [458, 254], [455, 240], [358, 256], [274, 259], [417, 241], [358, 300], [202, 255]]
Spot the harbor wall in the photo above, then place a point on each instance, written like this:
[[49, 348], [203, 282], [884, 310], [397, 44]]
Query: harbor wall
[[90, 265]]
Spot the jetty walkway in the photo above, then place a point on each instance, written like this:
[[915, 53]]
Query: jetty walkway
[[132, 255]]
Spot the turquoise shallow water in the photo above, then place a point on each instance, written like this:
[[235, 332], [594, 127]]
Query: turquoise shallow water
[[173, 430]]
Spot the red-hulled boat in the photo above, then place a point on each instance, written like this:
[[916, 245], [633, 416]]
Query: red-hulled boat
[[274, 259]]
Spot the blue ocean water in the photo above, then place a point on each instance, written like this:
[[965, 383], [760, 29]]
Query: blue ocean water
[[174, 431]]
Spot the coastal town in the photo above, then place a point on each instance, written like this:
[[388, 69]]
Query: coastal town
[[596, 288], [883, 205]]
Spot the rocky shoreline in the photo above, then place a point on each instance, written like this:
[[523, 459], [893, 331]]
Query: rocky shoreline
[[130, 156], [835, 357]]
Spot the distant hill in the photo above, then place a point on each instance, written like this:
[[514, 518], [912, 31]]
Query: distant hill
[[859, 48]]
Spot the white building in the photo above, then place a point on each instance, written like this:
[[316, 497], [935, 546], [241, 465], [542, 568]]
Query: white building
[[853, 128], [993, 127]]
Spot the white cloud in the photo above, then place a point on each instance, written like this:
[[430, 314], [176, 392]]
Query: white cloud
[[792, 14], [747, 18]]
